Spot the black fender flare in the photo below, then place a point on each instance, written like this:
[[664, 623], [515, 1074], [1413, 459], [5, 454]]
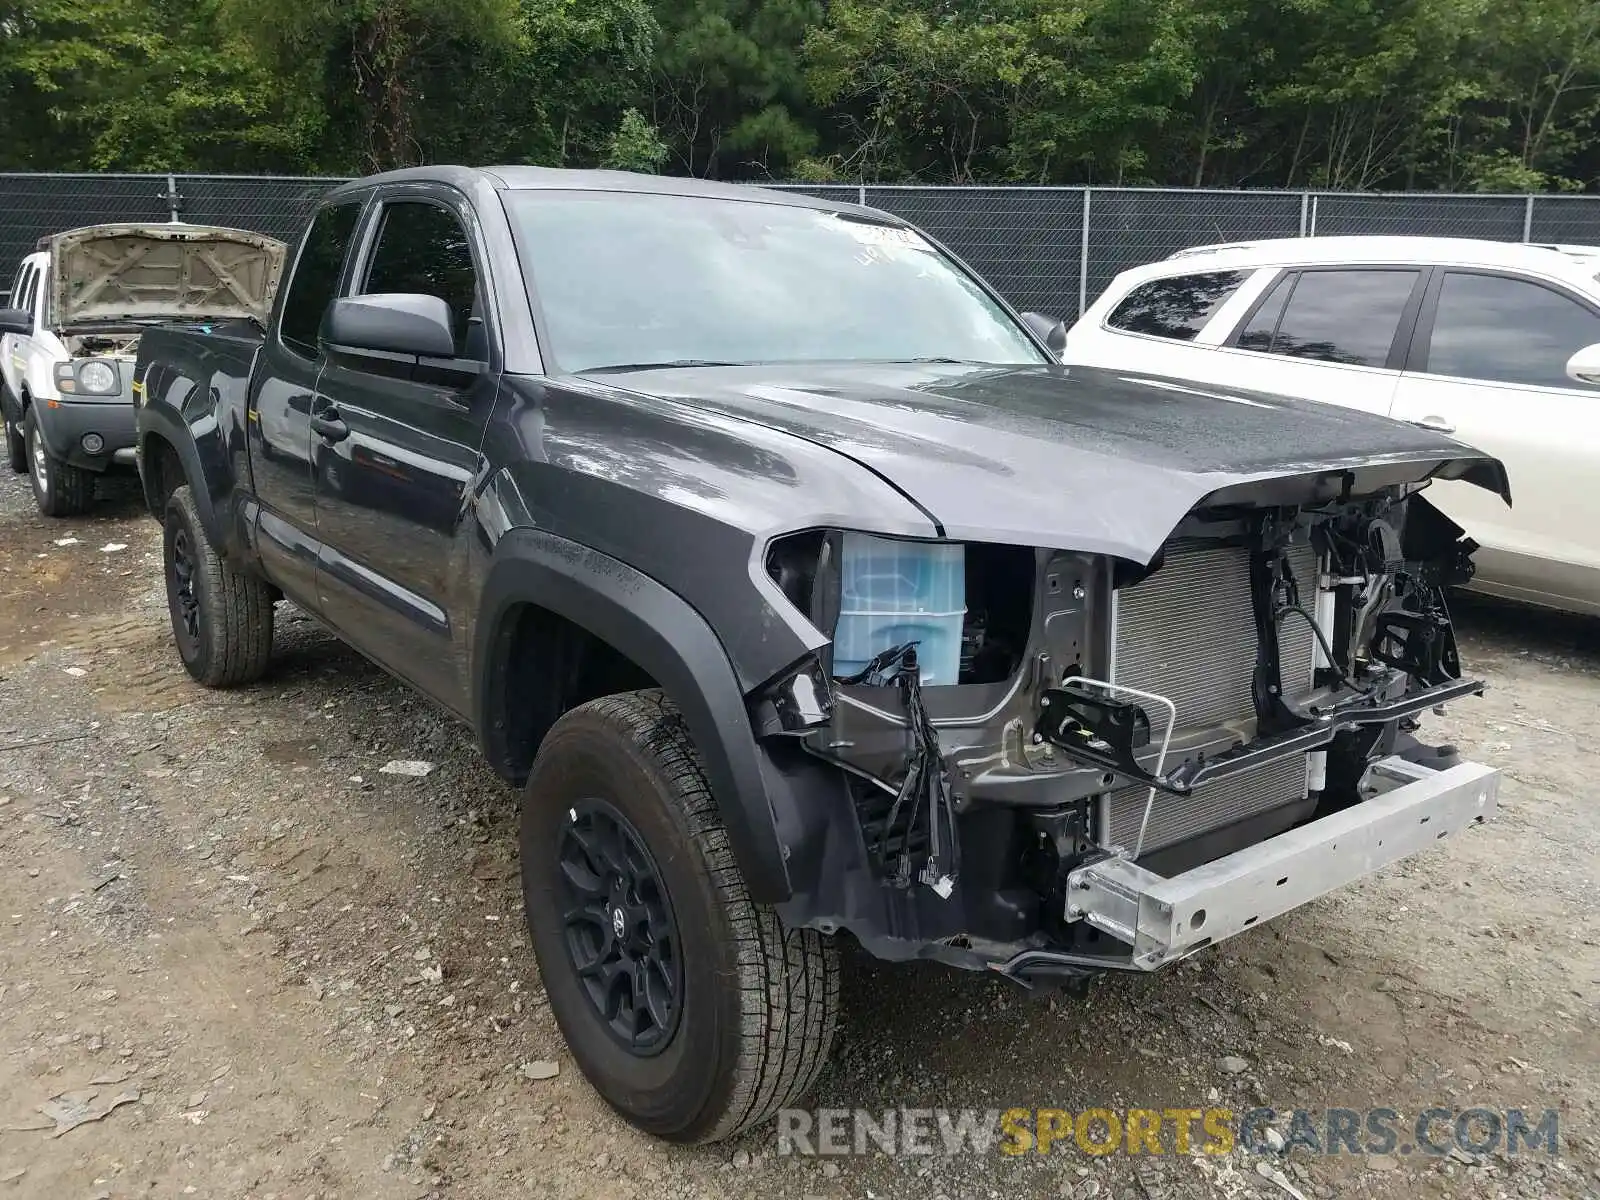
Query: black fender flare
[[49, 434], [156, 423], [664, 635], [48, 427]]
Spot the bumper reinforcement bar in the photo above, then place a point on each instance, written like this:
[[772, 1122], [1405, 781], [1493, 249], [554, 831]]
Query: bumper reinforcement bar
[[1164, 919]]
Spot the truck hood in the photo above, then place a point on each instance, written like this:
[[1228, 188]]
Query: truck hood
[[110, 273], [1098, 461]]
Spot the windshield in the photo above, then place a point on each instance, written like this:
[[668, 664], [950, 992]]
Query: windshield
[[628, 279]]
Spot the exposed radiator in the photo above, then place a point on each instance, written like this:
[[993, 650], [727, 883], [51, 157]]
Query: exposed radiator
[[1175, 818], [1188, 633]]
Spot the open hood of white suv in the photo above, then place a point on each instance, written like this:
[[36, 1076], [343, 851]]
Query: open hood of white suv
[[151, 272]]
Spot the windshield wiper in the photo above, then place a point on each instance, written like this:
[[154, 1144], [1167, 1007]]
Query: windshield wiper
[[660, 366]]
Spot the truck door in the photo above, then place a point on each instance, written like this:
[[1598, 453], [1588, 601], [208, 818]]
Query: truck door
[[280, 405], [395, 451]]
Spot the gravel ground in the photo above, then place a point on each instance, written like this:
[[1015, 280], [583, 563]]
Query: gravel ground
[[287, 975]]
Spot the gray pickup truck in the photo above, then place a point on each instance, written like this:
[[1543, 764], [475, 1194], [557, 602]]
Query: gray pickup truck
[[807, 597]]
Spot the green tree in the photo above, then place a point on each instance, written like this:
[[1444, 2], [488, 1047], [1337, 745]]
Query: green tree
[[1361, 87], [143, 85], [1487, 94], [728, 90], [589, 61], [1536, 113], [635, 145], [1036, 90], [377, 66], [552, 94]]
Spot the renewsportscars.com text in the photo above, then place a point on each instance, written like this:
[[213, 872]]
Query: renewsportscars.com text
[[1216, 1131]]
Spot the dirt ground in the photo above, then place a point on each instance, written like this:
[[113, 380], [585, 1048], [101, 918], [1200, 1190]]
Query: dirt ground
[[287, 975]]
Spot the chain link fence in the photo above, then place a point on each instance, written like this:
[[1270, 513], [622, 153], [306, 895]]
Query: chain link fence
[[35, 206], [1049, 249]]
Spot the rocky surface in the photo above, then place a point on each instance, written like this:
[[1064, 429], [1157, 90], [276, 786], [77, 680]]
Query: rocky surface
[[250, 963]]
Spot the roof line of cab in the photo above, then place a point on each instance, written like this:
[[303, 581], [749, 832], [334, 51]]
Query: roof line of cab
[[525, 178]]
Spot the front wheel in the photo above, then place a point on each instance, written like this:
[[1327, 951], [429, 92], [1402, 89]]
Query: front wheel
[[59, 489], [221, 617], [693, 1011]]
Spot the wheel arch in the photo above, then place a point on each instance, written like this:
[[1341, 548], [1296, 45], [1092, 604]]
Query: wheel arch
[[167, 460], [672, 647]]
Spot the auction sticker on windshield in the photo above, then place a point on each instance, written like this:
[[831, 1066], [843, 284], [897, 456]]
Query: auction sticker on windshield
[[882, 237]]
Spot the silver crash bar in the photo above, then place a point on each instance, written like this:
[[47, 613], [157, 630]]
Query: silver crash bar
[[1165, 919]]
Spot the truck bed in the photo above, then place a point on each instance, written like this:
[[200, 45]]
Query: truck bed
[[203, 356], [201, 375]]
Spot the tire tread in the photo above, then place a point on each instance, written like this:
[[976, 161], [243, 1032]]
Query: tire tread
[[240, 615], [788, 978], [71, 491]]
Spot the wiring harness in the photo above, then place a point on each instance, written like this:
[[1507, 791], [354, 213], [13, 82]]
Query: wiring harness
[[924, 796]]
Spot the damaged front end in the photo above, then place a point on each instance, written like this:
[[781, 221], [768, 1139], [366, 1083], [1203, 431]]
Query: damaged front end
[[1099, 764]]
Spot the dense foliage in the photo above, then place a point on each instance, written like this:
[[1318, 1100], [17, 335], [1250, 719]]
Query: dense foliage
[[1460, 94]]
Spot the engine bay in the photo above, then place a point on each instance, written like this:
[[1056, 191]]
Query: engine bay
[[103, 344], [1169, 713]]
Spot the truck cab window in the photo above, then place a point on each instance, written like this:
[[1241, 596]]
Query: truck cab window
[[316, 275], [423, 249]]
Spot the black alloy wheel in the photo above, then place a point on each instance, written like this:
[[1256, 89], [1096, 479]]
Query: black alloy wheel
[[180, 589], [221, 616], [620, 930], [694, 1011]]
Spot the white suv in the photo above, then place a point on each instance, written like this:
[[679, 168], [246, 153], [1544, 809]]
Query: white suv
[[68, 341], [1498, 344]]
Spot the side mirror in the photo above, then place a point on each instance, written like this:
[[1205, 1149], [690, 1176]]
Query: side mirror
[[393, 323], [1584, 366], [16, 320], [1051, 332]]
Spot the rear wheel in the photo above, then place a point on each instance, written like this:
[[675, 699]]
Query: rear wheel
[[221, 617], [692, 1010], [59, 489]]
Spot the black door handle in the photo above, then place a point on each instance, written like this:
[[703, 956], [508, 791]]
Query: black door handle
[[328, 426]]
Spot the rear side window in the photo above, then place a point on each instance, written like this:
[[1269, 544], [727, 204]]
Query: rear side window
[[1507, 330], [1332, 316], [316, 275], [1178, 307], [422, 248]]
